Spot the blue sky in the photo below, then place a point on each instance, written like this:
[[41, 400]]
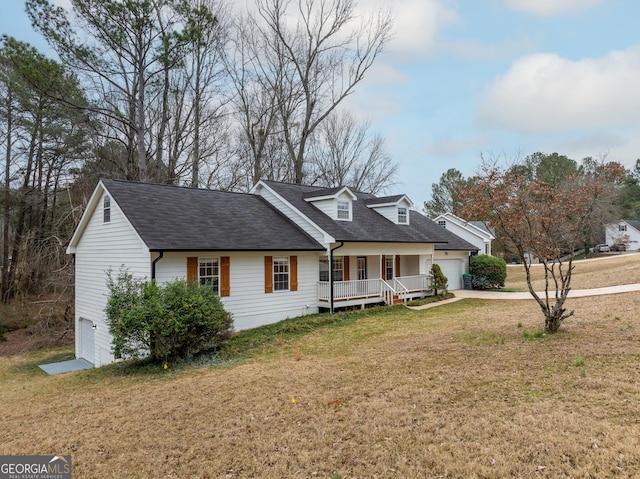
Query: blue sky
[[501, 78], [505, 78]]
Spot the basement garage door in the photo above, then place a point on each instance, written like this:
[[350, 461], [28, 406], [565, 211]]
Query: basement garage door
[[452, 269], [87, 340]]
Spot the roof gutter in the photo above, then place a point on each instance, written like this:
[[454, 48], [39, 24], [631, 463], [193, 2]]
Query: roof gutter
[[153, 265], [331, 310]]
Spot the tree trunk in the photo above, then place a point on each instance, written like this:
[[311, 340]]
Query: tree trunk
[[7, 196]]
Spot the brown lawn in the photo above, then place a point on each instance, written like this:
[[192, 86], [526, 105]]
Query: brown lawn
[[592, 273], [453, 391]]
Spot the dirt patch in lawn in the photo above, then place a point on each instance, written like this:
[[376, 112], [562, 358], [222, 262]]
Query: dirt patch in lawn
[[454, 391]]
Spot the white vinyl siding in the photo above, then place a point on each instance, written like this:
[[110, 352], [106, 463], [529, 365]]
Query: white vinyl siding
[[453, 264], [629, 235], [470, 233], [103, 247], [249, 304], [390, 211]]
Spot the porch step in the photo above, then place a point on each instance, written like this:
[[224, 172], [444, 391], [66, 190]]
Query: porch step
[[396, 300]]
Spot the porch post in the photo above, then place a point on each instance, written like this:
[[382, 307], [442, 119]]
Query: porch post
[[331, 311]]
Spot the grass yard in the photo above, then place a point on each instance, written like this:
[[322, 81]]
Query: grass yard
[[594, 273], [453, 391]]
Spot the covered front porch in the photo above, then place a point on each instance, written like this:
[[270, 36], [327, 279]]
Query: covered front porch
[[369, 291], [368, 279]]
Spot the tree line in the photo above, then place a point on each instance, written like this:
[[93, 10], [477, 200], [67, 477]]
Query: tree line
[[184, 92], [622, 200]]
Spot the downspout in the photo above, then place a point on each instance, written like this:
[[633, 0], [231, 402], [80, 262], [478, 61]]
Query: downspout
[[331, 276], [153, 265]]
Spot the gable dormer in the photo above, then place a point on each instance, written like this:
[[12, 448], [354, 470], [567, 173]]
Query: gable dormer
[[394, 208], [336, 203]]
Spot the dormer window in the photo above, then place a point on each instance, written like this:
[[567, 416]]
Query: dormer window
[[442, 223], [344, 210], [402, 216]]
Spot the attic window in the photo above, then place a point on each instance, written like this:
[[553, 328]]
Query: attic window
[[344, 210], [442, 223], [106, 209], [622, 227], [402, 216]]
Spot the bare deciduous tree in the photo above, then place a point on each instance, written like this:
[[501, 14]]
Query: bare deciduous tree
[[544, 219], [301, 70], [345, 153]]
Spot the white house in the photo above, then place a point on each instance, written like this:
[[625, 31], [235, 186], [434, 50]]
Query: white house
[[475, 232], [624, 231], [267, 254]]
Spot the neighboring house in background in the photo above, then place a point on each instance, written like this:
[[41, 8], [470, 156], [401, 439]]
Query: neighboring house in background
[[624, 231], [475, 232], [271, 254]]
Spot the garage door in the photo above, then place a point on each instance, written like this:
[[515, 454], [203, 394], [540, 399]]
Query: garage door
[[87, 340], [452, 269]]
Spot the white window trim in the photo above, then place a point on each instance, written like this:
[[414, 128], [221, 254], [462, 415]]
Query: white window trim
[[403, 212], [106, 209], [338, 210], [212, 260]]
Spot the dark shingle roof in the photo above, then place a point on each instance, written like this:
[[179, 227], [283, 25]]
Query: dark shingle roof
[[180, 219], [383, 200], [482, 226], [367, 224], [634, 223], [318, 192]]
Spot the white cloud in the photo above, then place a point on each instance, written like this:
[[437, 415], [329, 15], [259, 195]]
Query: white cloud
[[455, 146], [544, 93], [416, 23], [476, 50], [548, 8]]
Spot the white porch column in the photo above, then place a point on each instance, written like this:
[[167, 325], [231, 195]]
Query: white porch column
[[426, 261]]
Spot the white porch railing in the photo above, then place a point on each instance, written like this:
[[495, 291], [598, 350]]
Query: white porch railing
[[401, 287], [344, 290], [417, 283]]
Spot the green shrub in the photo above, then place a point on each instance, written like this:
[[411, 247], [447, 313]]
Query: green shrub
[[438, 279], [488, 272], [175, 320]]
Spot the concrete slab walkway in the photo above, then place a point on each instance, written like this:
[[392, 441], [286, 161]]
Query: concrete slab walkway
[[66, 366], [576, 293]]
